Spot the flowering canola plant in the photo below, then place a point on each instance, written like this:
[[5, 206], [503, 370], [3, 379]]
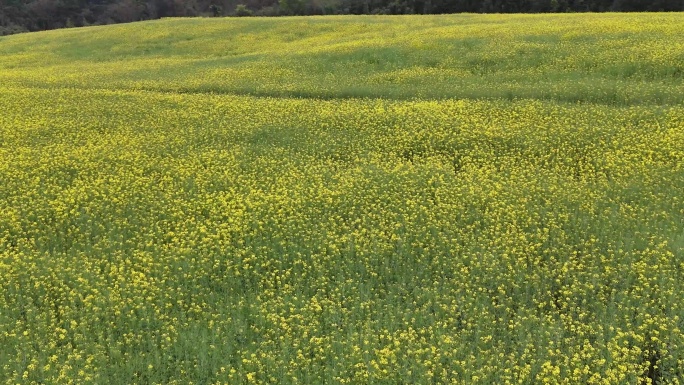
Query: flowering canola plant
[[344, 200]]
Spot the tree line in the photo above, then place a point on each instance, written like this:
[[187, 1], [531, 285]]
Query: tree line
[[34, 15]]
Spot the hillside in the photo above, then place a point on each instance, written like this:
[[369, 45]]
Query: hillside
[[609, 58], [353, 199], [35, 15]]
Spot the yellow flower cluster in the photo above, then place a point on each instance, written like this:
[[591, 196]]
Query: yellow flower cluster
[[157, 229]]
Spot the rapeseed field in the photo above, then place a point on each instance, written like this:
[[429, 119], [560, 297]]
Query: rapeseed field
[[462, 199]]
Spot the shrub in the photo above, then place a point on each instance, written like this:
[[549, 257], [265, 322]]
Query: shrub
[[242, 10]]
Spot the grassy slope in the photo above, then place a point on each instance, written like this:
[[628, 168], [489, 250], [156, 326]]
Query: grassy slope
[[162, 221], [616, 59]]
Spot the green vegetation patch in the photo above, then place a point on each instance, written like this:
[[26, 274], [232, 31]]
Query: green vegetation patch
[[443, 199]]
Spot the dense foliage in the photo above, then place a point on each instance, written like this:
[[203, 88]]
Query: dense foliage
[[480, 199], [33, 15]]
